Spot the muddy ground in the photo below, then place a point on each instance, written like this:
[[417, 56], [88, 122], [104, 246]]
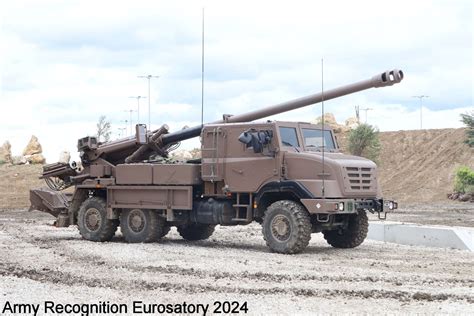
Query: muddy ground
[[39, 262]]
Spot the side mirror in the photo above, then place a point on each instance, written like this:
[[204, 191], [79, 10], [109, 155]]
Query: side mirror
[[245, 138], [140, 135]]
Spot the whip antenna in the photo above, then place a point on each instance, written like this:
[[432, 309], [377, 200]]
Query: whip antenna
[[202, 71], [322, 122]]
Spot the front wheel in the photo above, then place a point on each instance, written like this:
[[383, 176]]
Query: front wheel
[[93, 222], [351, 236], [286, 227]]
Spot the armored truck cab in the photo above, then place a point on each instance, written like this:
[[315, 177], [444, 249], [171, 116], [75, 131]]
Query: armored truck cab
[[300, 156]]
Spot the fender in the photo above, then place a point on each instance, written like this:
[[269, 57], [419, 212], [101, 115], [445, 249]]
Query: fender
[[294, 187]]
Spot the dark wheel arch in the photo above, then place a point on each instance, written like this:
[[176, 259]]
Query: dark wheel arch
[[279, 190]]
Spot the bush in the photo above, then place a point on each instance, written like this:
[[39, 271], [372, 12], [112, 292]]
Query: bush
[[468, 120], [464, 180], [364, 141]]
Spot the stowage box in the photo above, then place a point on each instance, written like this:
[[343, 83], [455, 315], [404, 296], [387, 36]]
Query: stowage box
[[159, 174], [173, 174], [134, 174]]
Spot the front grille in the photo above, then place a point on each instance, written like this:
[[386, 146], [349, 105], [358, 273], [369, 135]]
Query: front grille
[[359, 179]]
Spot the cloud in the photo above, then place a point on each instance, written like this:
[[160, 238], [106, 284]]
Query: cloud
[[63, 64]]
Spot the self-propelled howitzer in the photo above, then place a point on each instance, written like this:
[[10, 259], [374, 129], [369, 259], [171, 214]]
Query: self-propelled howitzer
[[289, 176]]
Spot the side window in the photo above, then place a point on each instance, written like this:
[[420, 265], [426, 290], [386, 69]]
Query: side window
[[288, 137], [255, 139]]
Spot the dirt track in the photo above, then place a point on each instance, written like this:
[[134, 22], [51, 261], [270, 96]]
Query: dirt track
[[40, 262]]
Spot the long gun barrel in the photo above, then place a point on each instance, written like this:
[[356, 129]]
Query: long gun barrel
[[385, 79], [127, 149]]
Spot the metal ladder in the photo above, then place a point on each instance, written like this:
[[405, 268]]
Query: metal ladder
[[214, 165]]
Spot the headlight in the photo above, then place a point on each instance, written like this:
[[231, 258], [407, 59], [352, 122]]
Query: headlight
[[341, 206]]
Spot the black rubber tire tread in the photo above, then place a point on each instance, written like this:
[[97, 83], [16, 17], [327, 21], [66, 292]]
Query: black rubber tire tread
[[108, 226], [351, 237], [300, 227], [166, 230], [152, 232], [196, 231]]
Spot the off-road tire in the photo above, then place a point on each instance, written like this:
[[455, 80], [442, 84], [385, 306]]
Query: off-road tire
[[166, 230], [150, 225], [92, 220], [196, 231], [295, 234], [353, 235]]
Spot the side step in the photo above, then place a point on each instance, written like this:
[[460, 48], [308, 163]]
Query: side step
[[247, 210]]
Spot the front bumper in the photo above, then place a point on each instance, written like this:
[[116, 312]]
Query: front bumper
[[348, 206]]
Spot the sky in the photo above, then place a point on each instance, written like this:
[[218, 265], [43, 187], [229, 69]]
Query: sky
[[64, 64]]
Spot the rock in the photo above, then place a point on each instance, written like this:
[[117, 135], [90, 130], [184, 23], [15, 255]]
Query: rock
[[181, 155], [64, 157], [19, 160], [464, 197], [453, 196], [330, 121], [36, 159], [195, 153], [33, 147], [352, 122], [6, 153]]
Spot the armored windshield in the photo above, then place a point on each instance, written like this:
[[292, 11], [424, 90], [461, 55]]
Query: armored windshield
[[313, 139]]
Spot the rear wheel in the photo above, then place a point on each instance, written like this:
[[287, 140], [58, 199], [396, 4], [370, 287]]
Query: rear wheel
[[196, 231], [139, 225], [286, 227], [353, 235], [92, 220]]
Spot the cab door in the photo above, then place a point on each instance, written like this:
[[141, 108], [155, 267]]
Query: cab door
[[245, 170]]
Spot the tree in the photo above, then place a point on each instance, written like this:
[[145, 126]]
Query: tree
[[103, 129], [364, 141], [468, 120]]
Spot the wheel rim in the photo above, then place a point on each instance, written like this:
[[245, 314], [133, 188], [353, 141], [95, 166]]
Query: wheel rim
[[281, 228], [93, 219], [136, 220]]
